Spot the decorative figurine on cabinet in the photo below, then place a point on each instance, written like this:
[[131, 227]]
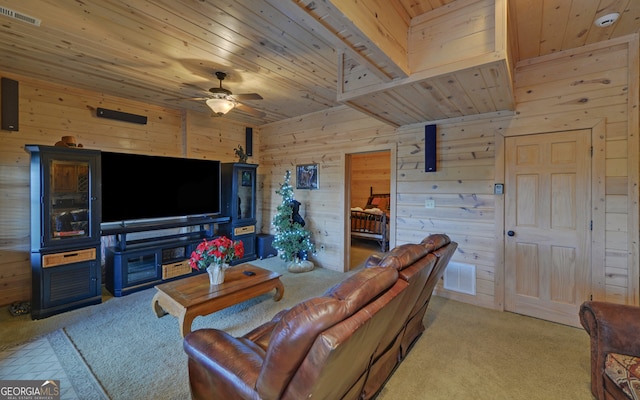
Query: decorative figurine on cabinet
[[242, 156]]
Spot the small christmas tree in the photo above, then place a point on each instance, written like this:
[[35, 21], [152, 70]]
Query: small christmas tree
[[291, 239]]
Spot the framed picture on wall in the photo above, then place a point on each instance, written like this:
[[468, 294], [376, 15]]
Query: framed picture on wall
[[307, 176]]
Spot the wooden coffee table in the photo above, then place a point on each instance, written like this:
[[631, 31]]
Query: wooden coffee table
[[190, 297]]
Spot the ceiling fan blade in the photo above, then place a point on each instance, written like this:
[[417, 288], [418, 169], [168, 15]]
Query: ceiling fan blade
[[187, 98], [247, 96], [250, 110]]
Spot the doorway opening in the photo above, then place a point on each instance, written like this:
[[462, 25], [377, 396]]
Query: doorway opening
[[369, 194]]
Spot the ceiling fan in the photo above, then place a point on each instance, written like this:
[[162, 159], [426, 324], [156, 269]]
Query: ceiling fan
[[221, 100]]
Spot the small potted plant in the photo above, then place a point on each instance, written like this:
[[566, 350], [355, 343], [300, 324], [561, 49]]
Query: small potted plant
[[215, 256]]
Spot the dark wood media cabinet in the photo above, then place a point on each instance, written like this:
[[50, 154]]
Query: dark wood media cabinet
[[65, 204], [143, 262], [67, 234]]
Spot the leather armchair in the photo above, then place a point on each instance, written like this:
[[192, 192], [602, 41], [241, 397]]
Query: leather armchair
[[613, 328]]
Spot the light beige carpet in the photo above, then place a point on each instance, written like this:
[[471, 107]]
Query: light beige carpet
[[50, 357], [469, 352], [466, 352]]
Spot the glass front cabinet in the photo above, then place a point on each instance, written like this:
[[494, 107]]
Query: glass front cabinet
[[239, 204], [65, 229]]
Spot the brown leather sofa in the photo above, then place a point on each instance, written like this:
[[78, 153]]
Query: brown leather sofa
[[342, 345], [615, 348]]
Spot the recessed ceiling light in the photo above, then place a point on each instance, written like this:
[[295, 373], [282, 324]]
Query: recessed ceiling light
[[607, 20]]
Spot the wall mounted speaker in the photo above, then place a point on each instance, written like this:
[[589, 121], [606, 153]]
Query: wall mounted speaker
[[249, 141], [429, 148], [9, 102], [121, 116]]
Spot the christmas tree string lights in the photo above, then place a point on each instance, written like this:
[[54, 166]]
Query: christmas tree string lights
[[292, 241]]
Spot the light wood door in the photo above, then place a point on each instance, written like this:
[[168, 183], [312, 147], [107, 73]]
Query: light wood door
[[547, 225]]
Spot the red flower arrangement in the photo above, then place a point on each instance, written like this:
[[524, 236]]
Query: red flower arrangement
[[220, 250]]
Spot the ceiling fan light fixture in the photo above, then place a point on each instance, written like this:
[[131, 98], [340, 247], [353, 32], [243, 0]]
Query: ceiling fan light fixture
[[220, 106]]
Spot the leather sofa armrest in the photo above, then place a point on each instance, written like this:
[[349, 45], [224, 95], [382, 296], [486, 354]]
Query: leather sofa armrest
[[615, 326], [612, 328], [233, 363]]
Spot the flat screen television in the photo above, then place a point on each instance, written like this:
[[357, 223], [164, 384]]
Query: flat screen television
[[141, 187]]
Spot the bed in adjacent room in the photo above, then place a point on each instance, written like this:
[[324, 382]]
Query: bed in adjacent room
[[372, 221]]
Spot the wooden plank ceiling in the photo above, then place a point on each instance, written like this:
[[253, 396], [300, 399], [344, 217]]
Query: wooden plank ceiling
[[167, 51]]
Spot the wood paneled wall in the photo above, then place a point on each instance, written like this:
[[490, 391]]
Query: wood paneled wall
[[48, 112], [590, 87], [461, 31], [369, 171], [582, 88], [323, 138]]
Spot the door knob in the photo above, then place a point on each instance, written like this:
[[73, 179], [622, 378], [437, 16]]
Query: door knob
[[511, 233]]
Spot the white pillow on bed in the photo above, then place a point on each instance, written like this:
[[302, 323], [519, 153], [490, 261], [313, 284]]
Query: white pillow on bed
[[374, 211], [356, 208]]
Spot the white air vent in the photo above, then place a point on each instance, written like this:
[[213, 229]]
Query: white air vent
[[7, 12], [460, 277]]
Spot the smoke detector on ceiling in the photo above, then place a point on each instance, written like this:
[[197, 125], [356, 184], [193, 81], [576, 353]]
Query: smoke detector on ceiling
[[607, 20]]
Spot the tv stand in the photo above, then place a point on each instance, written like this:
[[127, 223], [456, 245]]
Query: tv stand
[[143, 262]]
